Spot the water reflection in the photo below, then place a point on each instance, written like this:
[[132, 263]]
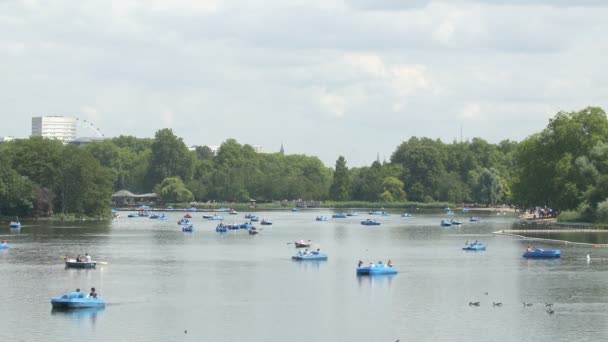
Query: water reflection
[[78, 314], [376, 280]]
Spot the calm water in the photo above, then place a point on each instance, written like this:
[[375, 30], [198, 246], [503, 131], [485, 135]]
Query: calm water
[[235, 287]]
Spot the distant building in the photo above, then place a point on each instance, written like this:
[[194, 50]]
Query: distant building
[[6, 139], [125, 198], [86, 140], [54, 127]]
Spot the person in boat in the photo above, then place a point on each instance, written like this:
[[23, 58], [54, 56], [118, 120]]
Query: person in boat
[[529, 249], [87, 257], [476, 242], [4, 242], [306, 251], [371, 264], [380, 263], [467, 243], [78, 258], [359, 263], [389, 263], [93, 293], [317, 251]]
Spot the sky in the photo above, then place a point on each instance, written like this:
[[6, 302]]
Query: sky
[[322, 77]]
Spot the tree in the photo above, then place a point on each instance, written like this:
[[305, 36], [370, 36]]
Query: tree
[[491, 189], [393, 189], [172, 190], [170, 158], [341, 185]]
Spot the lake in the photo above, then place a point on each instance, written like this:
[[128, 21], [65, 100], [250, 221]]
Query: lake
[[165, 285]]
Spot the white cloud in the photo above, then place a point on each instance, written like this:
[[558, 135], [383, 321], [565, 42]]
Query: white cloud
[[333, 104], [471, 111], [167, 117]]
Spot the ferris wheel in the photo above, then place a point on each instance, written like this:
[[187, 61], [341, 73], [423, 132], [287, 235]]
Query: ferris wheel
[[85, 128]]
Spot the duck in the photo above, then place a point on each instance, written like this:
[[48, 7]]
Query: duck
[[473, 303], [527, 304], [496, 304]]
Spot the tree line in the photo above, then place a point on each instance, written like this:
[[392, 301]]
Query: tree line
[[563, 167]]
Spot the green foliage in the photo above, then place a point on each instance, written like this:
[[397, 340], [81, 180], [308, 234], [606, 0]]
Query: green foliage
[[393, 190], [170, 157], [172, 190], [341, 184], [601, 215]]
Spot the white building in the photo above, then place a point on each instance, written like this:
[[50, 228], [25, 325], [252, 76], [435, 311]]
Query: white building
[[54, 127]]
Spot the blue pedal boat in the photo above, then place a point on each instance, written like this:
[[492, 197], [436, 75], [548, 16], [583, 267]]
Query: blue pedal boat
[[266, 223], [322, 218], [77, 300], [4, 245], [310, 256], [72, 263], [216, 218], [376, 270], [188, 228], [339, 215], [540, 253], [446, 223], [369, 222], [474, 247]]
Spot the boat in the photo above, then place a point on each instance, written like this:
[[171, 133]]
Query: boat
[[266, 222], [221, 228], [246, 226], [254, 218], [207, 216], [379, 213], [339, 215], [153, 217], [310, 256], [14, 224], [77, 300], [294, 209], [540, 253], [376, 270], [449, 212], [222, 210], [72, 263], [189, 228], [352, 214], [322, 218], [233, 212], [446, 223], [253, 231], [369, 222], [246, 215], [302, 244], [475, 246], [183, 222], [216, 218], [406, 215], [188, 216], [465, 210], [474, 219], [455, 222]]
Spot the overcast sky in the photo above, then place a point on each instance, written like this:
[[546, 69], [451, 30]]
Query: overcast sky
[[324, 77]]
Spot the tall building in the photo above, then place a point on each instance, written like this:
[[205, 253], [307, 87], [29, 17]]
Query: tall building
[[54, 127]]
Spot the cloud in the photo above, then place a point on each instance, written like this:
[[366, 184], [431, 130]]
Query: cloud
[[471, 111], [332, 103], [387, 5], [167, 117]]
